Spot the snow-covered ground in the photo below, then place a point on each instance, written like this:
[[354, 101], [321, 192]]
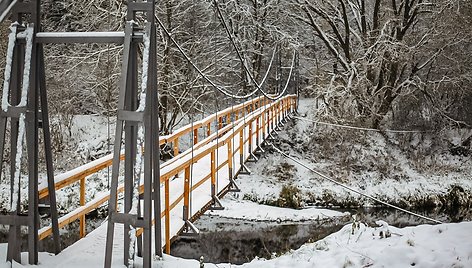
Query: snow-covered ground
[[445, 245], [420, 173], [247, 210], [355, 245], [403, 182], [84, 141]]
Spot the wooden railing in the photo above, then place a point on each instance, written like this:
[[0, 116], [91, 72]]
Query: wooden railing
[[253, 120]]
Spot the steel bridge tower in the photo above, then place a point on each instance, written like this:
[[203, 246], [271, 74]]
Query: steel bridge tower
[[24, 114]]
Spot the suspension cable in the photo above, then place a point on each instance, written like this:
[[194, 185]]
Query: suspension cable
[[203, 75], [350, 188], [217, 126], [232, 117], [206, 78], [251, 76], [192, 139], [359, 128]]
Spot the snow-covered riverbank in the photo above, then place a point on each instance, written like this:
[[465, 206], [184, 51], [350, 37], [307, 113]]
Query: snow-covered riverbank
[[444, 245], [416, 169], [355, 245], [246, 210]]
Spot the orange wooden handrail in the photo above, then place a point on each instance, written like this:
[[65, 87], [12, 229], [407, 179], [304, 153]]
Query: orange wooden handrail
[[266, 115]]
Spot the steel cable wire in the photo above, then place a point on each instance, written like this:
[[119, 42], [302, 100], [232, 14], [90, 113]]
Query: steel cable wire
[[230, 36], [350, 188]]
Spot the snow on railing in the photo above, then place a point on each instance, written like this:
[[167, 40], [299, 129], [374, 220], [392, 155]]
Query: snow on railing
[[254, 119]]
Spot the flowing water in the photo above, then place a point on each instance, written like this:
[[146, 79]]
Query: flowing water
[[224, 240]]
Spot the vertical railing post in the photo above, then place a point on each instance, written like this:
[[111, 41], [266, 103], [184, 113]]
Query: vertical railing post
[[233, 187], [277, 113], [269, 116], [244, 169], [283, 109], [258, 143], [277, 116], [282, 112], [252, 157], [176, 146], [186, 193], [167, 214], [82, 203], [216, 203], [208, 129], [257, 130], [230, 158], [250, 136], [264, 113], [195, 136], [213, 173]]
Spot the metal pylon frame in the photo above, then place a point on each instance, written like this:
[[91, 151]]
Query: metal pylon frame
[[137, 119], [24, 105]]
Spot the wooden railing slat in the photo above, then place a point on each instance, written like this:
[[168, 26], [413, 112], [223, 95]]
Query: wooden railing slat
[[265, 115]]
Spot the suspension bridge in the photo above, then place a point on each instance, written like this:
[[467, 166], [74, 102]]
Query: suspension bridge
[[191, 182], [160, 200]]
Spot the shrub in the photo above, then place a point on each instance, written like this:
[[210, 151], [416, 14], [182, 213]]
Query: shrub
[[289, 197]]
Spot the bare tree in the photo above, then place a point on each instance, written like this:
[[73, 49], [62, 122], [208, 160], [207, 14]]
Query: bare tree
[[379, 50]]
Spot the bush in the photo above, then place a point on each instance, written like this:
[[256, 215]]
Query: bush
[[290, 197]]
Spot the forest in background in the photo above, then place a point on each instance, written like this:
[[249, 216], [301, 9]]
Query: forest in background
[[401, 64]]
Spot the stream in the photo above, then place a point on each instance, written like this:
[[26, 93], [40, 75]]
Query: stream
[[224, 240]]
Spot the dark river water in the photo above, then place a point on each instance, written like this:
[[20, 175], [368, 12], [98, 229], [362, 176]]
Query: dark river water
[[224, 240]]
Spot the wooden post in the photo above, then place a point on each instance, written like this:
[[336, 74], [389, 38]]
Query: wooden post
[[82, 203], [208, 129], [195, 136], [285, 107], [220, 122], [186, 193], [250, 136], [241, 144], [276, 121], [268, 118], [167, 215], [213, 172], [258, 121], [274, 116], [264, 113], [176, 147], [230, 158], [279, 112]]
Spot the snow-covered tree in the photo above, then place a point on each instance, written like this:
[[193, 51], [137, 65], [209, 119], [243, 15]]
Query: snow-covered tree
[[380, 50]]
